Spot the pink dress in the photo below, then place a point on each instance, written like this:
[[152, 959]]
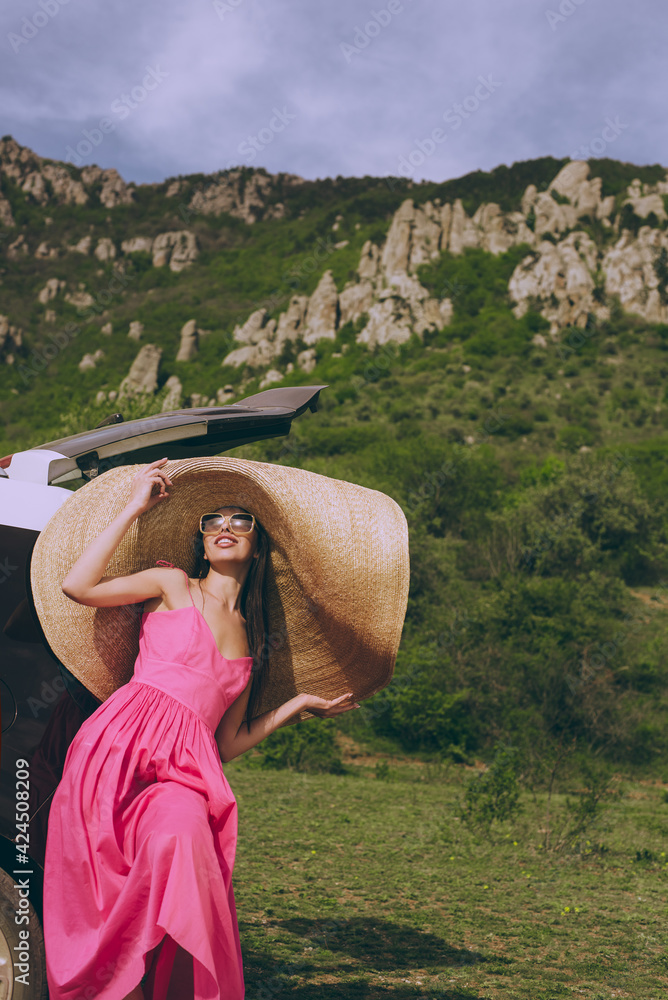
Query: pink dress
[[142, 830]]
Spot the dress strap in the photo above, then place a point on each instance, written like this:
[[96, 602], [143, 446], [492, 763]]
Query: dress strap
[[164, 562]]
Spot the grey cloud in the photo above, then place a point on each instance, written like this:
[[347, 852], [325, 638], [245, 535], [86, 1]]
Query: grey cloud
[[357, 110]]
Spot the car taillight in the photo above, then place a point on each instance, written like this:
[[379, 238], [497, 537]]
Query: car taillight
[[6, 461]]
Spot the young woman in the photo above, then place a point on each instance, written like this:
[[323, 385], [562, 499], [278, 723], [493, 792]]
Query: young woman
[[138, 898]]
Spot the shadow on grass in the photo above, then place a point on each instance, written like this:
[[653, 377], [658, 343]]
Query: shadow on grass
[[320, 949], [383, 944], [366, 991]]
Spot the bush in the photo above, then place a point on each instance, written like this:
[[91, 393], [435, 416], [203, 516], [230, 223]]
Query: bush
[[306, 746], [493, 795]]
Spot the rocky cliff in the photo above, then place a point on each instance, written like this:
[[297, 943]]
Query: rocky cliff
[[586, 250], [567, 276]]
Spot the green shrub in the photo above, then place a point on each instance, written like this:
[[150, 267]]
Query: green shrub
[[306, 746], [493, 795]]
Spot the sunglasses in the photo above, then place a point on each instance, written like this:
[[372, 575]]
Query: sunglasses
[[240, 523]]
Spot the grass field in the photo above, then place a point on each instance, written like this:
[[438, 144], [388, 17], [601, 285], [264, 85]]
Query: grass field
[[357, 885]]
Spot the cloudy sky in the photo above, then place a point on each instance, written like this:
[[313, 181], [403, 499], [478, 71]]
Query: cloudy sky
[[424, 88]]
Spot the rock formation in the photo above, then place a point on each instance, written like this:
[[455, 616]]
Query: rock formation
[[50, 290], [172, 400], [560, 276], [189, 341], [633, 271], [142, 378], [11, 340], [236, 193], [105, 250], [57, 183], [90, 360]]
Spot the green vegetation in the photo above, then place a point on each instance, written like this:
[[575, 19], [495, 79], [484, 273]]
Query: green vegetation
[[532, 472], [355, 887]]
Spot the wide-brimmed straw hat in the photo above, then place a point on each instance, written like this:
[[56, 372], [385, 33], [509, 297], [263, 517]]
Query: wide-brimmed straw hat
[[337, 573]]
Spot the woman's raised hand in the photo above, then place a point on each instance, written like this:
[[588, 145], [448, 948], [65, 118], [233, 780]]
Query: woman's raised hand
[[326, 708], [142, 497]]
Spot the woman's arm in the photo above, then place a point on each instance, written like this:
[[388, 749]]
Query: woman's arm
[[84, 576], [233, 737]]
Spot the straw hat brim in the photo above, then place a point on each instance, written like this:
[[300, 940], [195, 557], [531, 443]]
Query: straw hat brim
[[336, 586]]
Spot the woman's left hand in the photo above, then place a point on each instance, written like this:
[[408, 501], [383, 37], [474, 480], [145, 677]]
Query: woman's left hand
[[326, 708]]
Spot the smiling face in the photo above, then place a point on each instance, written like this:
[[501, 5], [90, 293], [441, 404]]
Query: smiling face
[[225, 546]]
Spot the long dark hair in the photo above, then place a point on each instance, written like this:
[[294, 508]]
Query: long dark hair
[[253, 607]]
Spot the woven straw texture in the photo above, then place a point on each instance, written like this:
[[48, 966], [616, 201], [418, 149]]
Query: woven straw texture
[[337, 574]]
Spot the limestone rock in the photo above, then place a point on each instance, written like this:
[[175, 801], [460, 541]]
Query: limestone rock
[[307, 359], [389, 320], [463, 231], [560, 277], [44, 251], [172, 400], [355, 300], [369, 261], [499, 231], [80, 299], [35, 186], [234, 192], [528, 199], [552, 217], [105, 250], [113, 191], [50, 290], [177, 248], [198, 399], [107, 329], [6, 217], [189, 345], [185, 251], [90, 360], [225, 394], [394, 258], [322, 311], [645, 199], [291, 322], [66, 189], [137, 244], [17, 248], [570, 178], [50, 316], [273, 375], [83, 246], [136, 330], [630, 268], [258, 339], [251, 331], [143, 375], [254, 355], [11, 339]]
